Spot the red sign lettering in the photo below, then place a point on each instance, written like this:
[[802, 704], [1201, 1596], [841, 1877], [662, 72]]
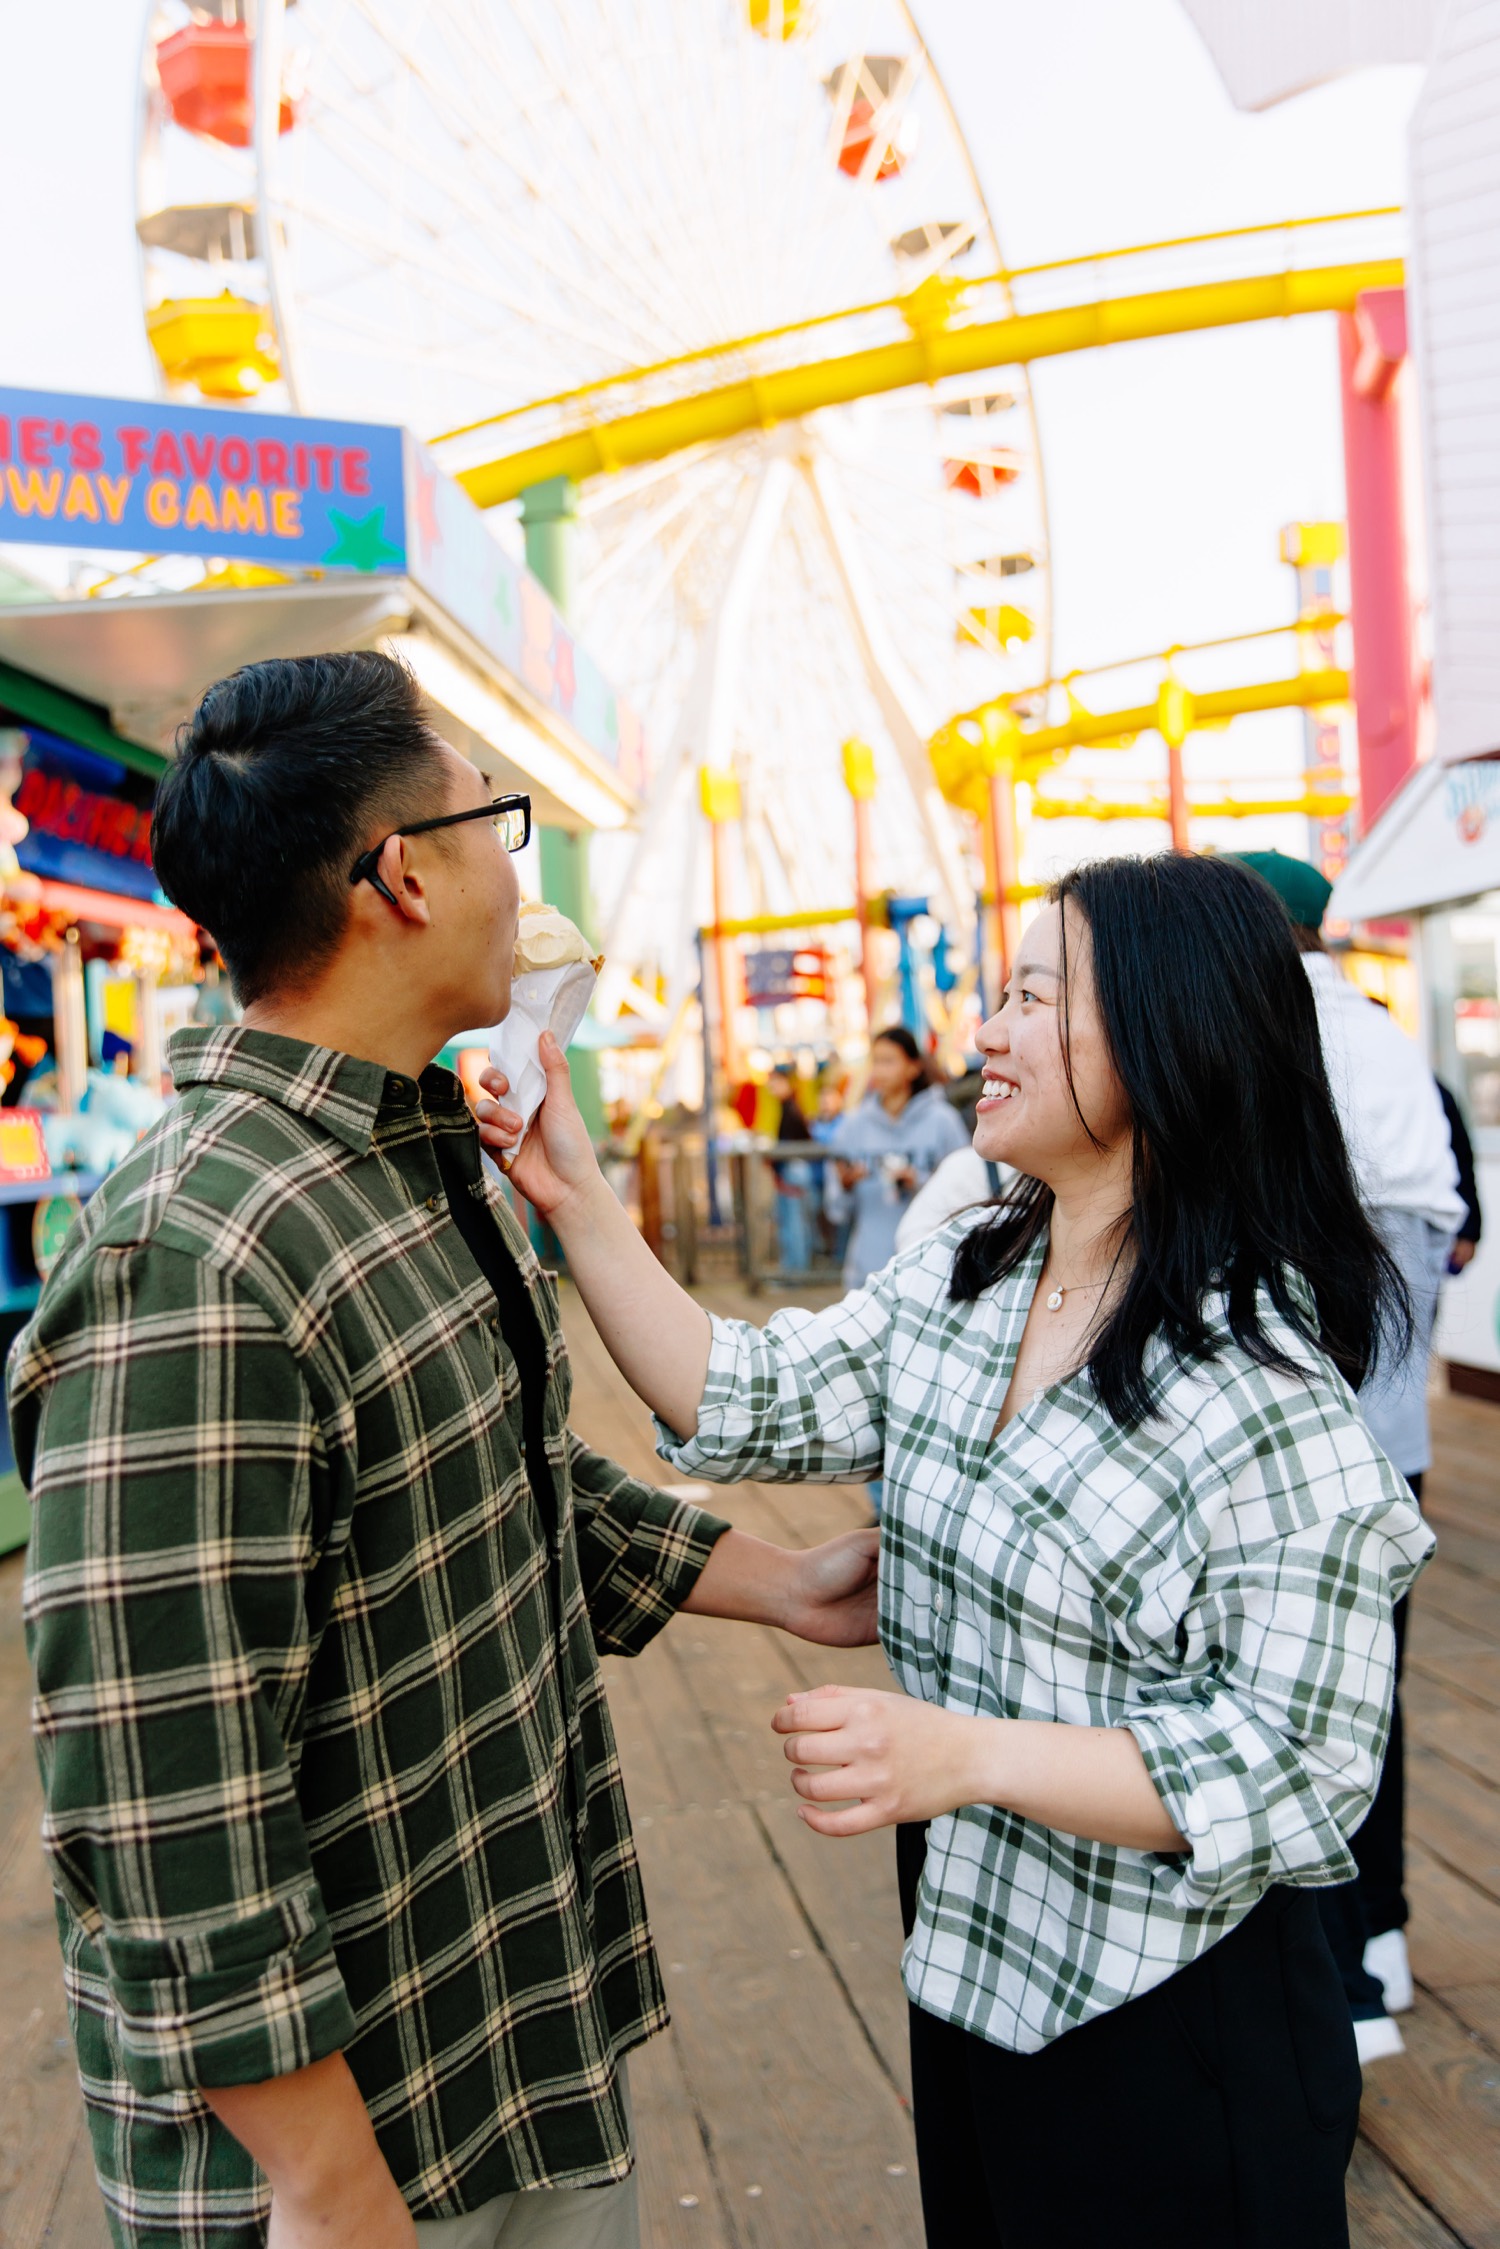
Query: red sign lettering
[[136, 446], [60, 808]]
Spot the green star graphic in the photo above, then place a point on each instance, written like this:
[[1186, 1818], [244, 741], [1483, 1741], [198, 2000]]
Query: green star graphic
[[361, 543]]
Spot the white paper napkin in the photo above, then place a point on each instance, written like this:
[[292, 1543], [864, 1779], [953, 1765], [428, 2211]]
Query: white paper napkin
[[549, 999]]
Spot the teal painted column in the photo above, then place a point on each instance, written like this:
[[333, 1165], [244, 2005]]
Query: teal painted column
[[549, 515]]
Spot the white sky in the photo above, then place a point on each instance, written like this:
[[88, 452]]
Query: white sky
[[1171, 465]]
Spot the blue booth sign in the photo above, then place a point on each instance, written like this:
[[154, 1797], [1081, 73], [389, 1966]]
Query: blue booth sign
[[119, 475]]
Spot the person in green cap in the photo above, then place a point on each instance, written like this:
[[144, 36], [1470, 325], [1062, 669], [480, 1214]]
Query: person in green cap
[[1402, 1157]]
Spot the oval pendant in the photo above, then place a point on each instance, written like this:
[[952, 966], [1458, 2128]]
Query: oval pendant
[[1054, 1301]]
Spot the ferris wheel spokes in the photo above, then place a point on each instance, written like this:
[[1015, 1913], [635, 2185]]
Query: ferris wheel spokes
[[704, 731], [895, 691]]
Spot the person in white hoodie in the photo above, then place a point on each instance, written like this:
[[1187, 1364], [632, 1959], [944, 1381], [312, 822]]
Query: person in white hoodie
[[1402, 1157]]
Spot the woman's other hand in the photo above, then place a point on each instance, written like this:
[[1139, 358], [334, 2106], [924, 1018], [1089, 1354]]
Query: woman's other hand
[[900, 1758], [850, 1174], [556, 1159]]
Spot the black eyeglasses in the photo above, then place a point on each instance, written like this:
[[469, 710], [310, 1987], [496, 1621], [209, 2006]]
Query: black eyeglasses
[[512, 822]]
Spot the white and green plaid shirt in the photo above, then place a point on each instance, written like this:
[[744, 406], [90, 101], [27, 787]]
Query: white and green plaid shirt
[[1220, 1581]]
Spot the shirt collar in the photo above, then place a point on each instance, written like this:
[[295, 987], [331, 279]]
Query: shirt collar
[[338, 1092]]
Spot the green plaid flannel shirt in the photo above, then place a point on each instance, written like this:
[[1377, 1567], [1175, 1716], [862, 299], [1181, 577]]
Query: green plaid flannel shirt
[[1220, 1581], [324, 1744]]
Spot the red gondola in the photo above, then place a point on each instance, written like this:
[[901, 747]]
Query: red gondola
[[205, 75]]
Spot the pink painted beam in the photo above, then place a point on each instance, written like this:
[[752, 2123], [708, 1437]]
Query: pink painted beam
[[1372, 354]]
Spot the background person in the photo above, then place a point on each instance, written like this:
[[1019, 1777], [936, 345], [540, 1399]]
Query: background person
[[319, 1579], [1402, 1154], [885, 1148], [960, 1181], [1137, 1578], [1471, 1226], [834, 1218], [793, 1176]]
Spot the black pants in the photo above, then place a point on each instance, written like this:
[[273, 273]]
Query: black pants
[[1219, 2108]]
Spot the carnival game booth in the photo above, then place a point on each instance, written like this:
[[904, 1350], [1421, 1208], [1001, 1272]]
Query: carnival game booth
[[97, 970], [202, 539], [1433, 857]]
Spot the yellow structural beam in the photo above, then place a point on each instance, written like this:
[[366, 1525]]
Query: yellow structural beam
[[971, 749], [766, 925], [1311, 805], [928, 356], [1303, 691]]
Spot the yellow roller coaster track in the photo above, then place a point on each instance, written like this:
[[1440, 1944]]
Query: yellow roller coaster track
[[939, 344], [968, 751]]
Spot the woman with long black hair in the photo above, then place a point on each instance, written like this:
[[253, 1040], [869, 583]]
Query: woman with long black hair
[[1138, 1566]]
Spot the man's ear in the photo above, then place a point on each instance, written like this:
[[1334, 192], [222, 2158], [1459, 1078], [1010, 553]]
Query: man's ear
[[404, 888]]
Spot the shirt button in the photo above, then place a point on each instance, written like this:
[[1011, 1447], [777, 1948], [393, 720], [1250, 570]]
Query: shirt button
[[434, 1202], [495, 1323], [937, 1603]]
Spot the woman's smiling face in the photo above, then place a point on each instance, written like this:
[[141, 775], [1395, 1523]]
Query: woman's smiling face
[[1029, 1114]]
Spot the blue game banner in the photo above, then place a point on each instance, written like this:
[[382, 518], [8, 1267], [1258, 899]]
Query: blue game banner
[[118, 475]]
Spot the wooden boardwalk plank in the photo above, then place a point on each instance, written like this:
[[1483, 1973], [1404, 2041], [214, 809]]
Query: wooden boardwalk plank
[[1460, 1596], [1453, 1655], [1455, 1942], [1453, 1815], [1383, 2211], [1454, 1723], [796, 2103], [1434, 2113]]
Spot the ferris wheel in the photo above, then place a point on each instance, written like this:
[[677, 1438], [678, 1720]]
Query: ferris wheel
[[441, 211]]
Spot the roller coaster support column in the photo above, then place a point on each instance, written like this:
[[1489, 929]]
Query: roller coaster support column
[[859, 780], [1174, 723], [719, 795], [549, 516], [1002, 845], [1372, 353]]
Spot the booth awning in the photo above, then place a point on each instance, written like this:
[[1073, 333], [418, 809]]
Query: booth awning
[[110, 912], [147, 659], [87, 723], [1435, 844]]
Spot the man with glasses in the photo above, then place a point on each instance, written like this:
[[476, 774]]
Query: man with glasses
[[352, 1925]]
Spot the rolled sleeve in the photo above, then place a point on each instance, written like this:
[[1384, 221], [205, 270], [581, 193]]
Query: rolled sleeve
[[234, 2005], [640, 1551], [176, 1467], [1267, 1757], [801, 1399]]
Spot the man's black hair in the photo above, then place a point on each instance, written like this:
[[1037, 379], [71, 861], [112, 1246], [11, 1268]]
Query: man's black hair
[[283, 776]]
